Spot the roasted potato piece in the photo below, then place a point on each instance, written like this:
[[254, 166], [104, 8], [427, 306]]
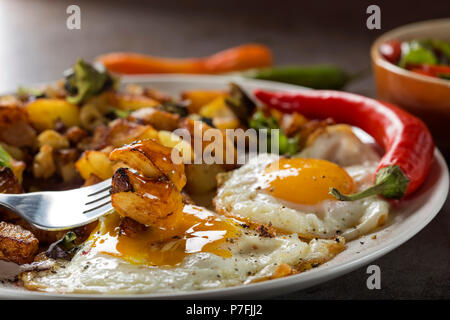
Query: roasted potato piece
[[127, 101], [131, 227], [220, 113], [53, 139], [91, 117], [93, 179], [75, 134], [156, 95], [17, 244], [65, 163], [95, 163], [15, 128], [292, 123], [148, 201], [171, 140], [9, 182], [155, 117], [43, 163], [226, 156], [199, 98], [152, 160], [44, 237], [122, 132], [44, 113], [201, 178]]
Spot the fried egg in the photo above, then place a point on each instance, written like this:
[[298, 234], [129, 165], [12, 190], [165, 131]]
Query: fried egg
[[292, 194], [274, 218], [210, 252]]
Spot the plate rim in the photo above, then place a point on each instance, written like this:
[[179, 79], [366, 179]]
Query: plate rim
[[312, 277]]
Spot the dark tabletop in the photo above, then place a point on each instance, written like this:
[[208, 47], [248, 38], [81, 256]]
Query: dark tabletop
[[35, 46]]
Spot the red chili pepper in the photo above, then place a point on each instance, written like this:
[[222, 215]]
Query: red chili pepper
[[408, 144]]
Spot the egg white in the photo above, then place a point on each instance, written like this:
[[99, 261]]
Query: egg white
[[253, 258], [240, 193]]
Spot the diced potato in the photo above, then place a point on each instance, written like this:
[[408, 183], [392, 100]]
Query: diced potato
[[125, 101], [200, 131], [68, 172], [91, 117], [18, 167], [155, 117], [171, 140], [17, 244], [223, 117], [201, 178], [93, 179], [53, 139], [152, 160], [43, 163], [96, 163], [198, 98], [130, 198], [44, 113], [292, 123], [149, 133], [8, 184], [124, 132], [65, 163], [15, 127]]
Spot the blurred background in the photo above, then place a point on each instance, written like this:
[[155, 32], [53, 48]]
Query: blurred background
[[36, 46]]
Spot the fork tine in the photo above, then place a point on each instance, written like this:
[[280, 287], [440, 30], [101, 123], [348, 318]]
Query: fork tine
[[97, 207], [98, 199], [99, 191], [101, 210]]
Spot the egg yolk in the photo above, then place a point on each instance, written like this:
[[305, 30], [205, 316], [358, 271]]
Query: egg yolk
[[305, 181], [194, 230]]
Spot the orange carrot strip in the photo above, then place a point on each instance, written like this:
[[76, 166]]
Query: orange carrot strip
[[233, 59]]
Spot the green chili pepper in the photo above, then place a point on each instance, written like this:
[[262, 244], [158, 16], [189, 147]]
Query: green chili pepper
[[315, 76], [390, 182]]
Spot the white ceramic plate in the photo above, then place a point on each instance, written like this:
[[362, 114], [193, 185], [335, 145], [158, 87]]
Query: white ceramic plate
[[408, 218]]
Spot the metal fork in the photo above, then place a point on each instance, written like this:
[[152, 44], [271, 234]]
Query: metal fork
[[61, 210]]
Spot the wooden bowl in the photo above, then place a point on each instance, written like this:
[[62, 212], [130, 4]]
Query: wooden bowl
[[427, 97]]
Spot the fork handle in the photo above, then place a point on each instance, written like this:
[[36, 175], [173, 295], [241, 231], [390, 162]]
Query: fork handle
[[10, 201], [25, 206]]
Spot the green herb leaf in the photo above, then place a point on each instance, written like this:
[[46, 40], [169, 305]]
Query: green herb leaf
[[285, 145], [441, 46], [173, 107], [85, 81], [30, 92], [415, 52], [260, 121], [64, 248], [5, 158], [123, 114]]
